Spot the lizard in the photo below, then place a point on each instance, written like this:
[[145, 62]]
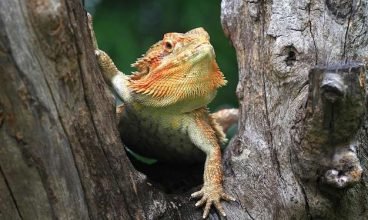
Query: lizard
[[164, 112]]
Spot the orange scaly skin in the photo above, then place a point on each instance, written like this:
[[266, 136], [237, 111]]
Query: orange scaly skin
[[165, 103]]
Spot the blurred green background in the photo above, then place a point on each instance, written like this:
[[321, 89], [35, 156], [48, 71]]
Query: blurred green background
[[126, 29]]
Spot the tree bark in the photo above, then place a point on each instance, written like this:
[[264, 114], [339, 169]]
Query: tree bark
[[60, 152], [288, 159], [61, 156]]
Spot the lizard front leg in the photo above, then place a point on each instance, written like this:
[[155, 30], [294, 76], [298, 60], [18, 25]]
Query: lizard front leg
[[204, 136], [110, 72], [112, 76]]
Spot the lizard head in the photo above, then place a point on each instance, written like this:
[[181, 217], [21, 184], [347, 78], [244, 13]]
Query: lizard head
[[181, 68]]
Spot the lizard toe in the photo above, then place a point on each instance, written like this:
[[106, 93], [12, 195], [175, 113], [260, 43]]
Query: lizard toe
[[227, 197], [201, 201], [197, 194], [207, 209], [219, 207]]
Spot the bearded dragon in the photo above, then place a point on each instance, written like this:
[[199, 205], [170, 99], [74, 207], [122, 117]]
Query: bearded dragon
[[164, 113]]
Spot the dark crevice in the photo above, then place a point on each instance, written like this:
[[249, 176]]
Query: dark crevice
[[11, 193], [351, 14], [250, 216], [356, 37], [305, 197], [306, 83], [244, 208], [170, 178], [307, 208], [273, 151], [331, 126], [2, 115], [299, 30], [311, 31], [291, 58], [290, 53]]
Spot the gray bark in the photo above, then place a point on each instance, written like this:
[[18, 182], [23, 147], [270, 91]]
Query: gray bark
[[60, 152], [295, 143], [61, 156]]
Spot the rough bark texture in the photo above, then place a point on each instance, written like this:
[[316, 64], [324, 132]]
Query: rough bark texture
[[59, 157], [289, 146], [60, 152]]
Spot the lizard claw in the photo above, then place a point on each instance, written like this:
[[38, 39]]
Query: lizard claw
[[211, 194], [197, 194]]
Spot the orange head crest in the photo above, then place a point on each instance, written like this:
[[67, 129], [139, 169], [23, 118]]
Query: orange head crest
[[180, 67]]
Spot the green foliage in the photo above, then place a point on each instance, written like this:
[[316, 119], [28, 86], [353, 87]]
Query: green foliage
[[126, 29]]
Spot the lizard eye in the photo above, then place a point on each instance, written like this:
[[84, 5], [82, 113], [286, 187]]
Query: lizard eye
[[169, 46]]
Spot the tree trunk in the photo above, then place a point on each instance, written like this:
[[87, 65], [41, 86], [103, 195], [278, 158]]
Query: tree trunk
[[60, 152], [61, 156], [295, 154]]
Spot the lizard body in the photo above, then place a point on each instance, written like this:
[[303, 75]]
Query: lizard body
[[165, 115], [158, 132]]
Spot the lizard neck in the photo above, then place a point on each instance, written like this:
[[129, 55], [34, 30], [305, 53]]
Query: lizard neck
[[141, 103]]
